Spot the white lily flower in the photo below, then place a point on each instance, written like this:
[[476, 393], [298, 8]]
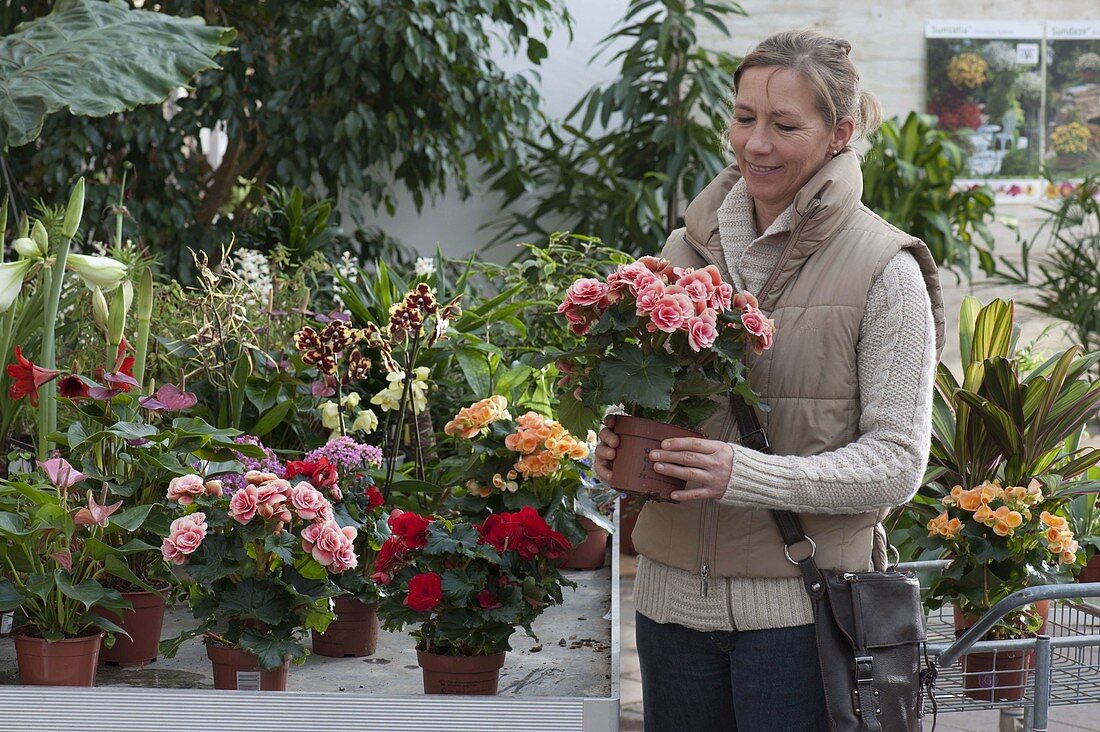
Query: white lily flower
[[11, 281], [103, 272]]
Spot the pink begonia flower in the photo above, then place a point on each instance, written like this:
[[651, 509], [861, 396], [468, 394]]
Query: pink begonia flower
[[184, 488], [244, 504], [660, 267], [587, 291], [214, 488], [701, 333], [269, 500], [255, 477], [745, 300], [309, 502], [648, 297], [60, 473], [344, 559], [171, 553], [672, 310], [330, 542], [633, 277], [187, 533], [723, 297], [755, 322]]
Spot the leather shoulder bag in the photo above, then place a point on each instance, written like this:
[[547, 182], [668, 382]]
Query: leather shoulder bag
[[871, 640]]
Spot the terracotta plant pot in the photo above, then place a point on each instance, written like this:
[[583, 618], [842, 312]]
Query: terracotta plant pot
[[1091, 572], [239, 670], [143, 623], [68, 662], [589, 553], [1001, 676], [354, 632], [633, 471], [467, 675]]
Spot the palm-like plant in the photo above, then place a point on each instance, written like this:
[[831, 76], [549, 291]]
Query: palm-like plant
[[996, 424]]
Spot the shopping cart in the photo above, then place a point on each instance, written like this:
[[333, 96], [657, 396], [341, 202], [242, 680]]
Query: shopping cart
[[1060, 666]]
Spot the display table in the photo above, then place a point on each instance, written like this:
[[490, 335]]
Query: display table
[[567, 680]]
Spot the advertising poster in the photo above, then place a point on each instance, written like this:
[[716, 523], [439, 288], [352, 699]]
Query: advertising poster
[[985, 83], [1072, 97]]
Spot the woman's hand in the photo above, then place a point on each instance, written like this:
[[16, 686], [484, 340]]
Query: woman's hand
[[705, 464], [605, 450]]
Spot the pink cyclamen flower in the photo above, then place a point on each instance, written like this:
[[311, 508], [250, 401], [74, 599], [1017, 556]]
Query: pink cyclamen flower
[[183, 489], [244, 504], [701, 333], [587, 291], [309, 502]]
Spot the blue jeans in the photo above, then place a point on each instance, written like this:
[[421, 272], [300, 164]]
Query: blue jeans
[[720, 681]]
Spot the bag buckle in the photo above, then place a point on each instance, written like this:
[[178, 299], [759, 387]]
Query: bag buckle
[[756, 440], [865, 669]]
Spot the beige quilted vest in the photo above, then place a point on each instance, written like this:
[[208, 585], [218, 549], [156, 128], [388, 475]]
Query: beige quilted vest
[[816, 295]]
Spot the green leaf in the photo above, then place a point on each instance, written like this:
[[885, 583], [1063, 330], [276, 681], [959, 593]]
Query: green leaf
[[272, 418], [10, 596], [630, 378], [89, 592], [133, 430], [13, 524], [86, 55], [255, 599], [132, 518], [270, 650]]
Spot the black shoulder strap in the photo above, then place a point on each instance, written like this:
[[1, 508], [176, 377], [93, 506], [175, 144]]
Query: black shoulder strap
[[753, 437]]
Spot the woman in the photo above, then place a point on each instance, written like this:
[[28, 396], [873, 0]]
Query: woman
[[724, 626]]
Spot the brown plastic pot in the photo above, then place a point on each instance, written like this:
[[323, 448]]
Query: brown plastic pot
[[632, 472], [590, 552], [354, 632], [144, 624], [68, 662], [467, 675], [239, 670], [1091, 572], [1001, 675]]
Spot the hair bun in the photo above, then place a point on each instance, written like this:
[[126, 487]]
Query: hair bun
[[843, 45]]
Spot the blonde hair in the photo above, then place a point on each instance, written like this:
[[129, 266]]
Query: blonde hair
[[823, 62]]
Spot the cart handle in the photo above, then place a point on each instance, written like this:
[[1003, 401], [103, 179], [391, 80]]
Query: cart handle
[[1070, 591]]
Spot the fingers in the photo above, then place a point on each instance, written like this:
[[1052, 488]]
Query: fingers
[[609, 438], [694, 494], [692, 444]]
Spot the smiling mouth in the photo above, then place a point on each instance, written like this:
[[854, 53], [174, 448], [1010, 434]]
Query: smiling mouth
[[762, 169]]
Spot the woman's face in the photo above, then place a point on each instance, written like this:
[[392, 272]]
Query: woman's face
[[779, 137]]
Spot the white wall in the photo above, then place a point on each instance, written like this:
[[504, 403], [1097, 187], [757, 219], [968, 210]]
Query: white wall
[[887, 37], [453, 224]]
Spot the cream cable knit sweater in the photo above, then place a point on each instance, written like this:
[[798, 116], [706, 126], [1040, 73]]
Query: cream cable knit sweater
[[882, 469]]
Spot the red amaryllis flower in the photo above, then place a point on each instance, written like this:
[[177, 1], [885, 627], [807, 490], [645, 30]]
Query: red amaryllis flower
[[72, 387], [425, 592], [27, 377], [410, 527]]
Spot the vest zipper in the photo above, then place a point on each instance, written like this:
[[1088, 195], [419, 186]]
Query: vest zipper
[[702, 251], [709, 528], [787, 249]]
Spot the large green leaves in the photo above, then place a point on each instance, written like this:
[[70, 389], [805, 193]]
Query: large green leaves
[[97, 58], [631, 377]]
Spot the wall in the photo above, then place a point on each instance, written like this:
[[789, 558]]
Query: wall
[[888, 46]]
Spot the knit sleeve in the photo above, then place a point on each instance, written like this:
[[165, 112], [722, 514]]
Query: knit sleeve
[[884, 466]]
